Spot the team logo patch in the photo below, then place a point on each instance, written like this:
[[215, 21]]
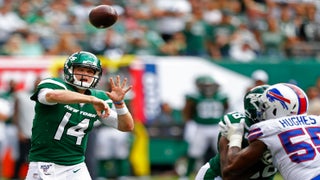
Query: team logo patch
[[275, 95]]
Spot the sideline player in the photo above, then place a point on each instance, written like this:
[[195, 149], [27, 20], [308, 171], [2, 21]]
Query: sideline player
[[286, 131], [212, 169], [66, 111], [203, 111]]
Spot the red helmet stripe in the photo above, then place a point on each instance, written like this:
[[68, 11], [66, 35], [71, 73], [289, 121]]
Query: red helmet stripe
[[303, 102], [280, 97]]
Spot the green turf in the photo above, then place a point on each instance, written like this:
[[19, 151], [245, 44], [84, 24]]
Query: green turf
[[164, 177], [278, 177]]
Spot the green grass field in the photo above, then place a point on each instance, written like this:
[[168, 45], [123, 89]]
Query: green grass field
[[165, 177], [278, 177]]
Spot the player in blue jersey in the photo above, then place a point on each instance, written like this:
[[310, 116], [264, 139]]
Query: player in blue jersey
[[292, 136], [66, 111]]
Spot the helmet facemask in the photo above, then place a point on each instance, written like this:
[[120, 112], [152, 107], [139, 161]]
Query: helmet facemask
[[252, 110], [82, 84], [206, 86]]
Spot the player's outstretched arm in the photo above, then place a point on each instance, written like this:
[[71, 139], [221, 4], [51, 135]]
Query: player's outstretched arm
[[225, 159], [236, 163], [223, 150], [70, 97], [117, 95], [241, 162]]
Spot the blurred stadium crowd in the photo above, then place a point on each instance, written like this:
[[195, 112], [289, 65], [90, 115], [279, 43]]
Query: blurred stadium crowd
[[241, 30], [220, 30]]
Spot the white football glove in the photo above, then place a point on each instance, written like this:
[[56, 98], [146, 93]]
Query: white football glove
[[223, 126], [223, 129], [235, 133]]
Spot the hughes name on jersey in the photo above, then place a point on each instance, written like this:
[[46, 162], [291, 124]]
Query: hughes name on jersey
[[294, 143]]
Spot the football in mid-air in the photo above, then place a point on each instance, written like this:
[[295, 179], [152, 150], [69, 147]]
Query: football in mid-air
[[103, 16]]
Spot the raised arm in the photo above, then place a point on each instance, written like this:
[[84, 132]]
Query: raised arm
[[237, 163], [117, 95], [243, 161]]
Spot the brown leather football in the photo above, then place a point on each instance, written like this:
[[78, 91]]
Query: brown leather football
[[103, 16]]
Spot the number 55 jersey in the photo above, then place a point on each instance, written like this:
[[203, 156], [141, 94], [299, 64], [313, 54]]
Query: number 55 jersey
[[294, 143]]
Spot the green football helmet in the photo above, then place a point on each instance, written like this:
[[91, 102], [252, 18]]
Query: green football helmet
[[206, 85], [82, 59], [252, 103]]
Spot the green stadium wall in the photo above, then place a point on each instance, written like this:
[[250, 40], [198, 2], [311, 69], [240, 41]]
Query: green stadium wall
[[304, 72]]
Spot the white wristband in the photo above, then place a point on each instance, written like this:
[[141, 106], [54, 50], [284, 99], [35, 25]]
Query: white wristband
[[122, 111], [235, 140]]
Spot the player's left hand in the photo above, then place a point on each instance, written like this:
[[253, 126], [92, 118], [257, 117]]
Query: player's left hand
[[118, 89]]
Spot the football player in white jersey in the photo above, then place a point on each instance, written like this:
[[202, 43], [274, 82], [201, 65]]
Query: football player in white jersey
[[292, 136]]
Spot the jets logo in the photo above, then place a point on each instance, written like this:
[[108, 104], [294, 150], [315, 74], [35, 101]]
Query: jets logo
[[254, 99], [275, 95], [72, 58]]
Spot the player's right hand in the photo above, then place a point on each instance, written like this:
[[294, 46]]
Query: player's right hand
[[101, 107]]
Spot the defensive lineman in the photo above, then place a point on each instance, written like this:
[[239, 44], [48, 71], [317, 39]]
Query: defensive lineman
[[291, 136]]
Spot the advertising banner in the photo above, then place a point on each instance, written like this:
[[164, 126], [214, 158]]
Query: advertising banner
[[23, 70]]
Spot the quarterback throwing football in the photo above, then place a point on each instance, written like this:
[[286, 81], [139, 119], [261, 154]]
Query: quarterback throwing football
[[66, 111]]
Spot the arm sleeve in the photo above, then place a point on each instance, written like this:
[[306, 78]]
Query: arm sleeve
[[111, 120], [42, 96]]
